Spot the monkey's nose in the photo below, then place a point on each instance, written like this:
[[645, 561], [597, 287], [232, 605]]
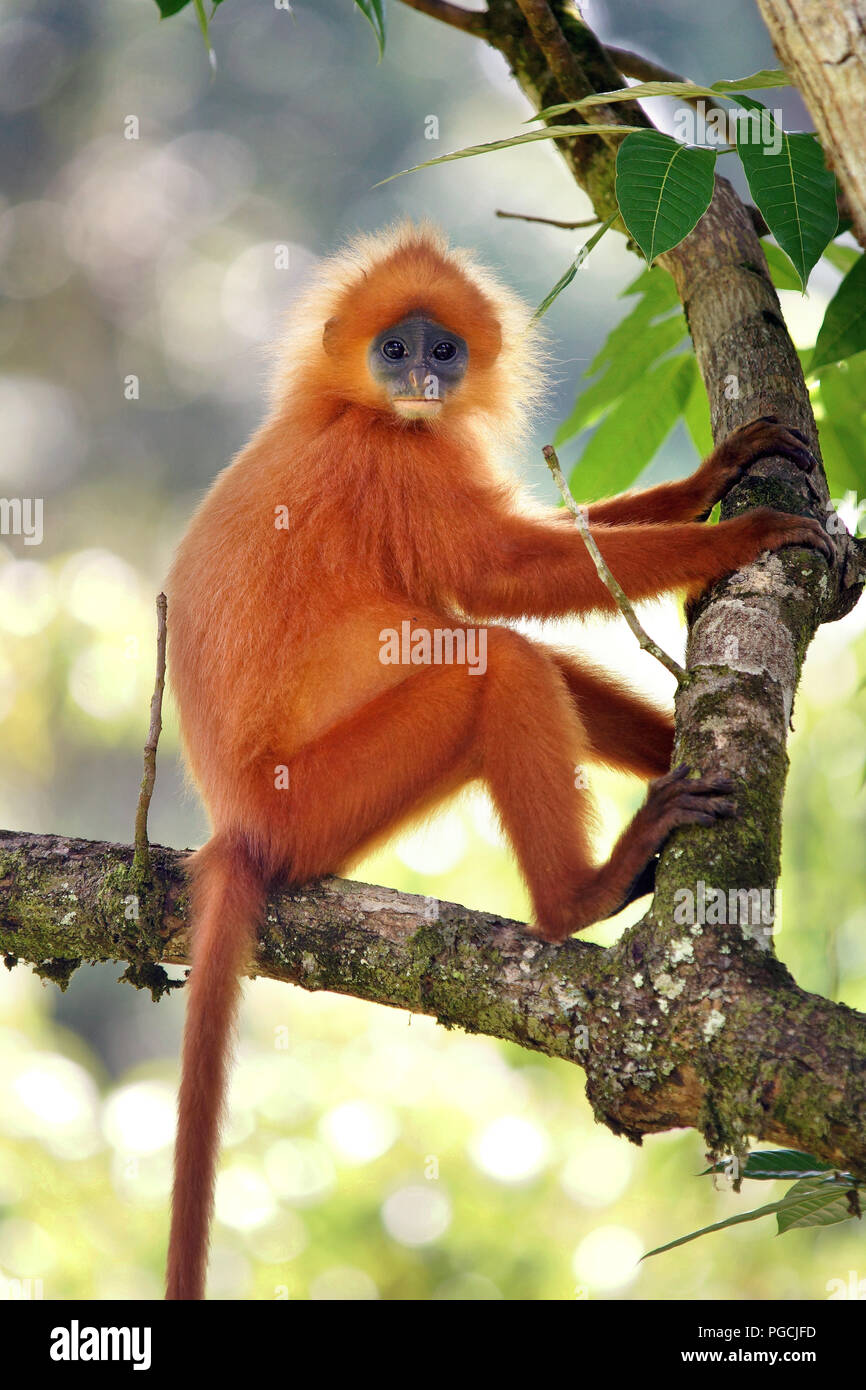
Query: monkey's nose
[[416, 379]]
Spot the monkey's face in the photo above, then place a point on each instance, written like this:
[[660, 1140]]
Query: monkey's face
[[419, 364]]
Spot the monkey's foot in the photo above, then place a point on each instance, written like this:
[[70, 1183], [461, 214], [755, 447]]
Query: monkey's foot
[[644, 883], [673, 800]]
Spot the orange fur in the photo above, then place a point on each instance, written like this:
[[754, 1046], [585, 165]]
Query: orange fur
[[339, 520]]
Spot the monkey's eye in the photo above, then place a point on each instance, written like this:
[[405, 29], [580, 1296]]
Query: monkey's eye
[[393, 349], [445, 352]]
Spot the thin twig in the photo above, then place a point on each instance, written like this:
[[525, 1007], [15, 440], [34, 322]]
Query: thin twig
[[549, 221], [579, 513], [637, 66], [142, 854], [645, 70], [469, 21]]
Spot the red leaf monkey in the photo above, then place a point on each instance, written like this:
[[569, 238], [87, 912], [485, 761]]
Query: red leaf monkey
[[371, 497]]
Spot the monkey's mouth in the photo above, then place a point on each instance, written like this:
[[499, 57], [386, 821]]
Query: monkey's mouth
[[416, 406]]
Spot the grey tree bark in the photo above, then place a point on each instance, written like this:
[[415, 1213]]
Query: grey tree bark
[[822, 44]]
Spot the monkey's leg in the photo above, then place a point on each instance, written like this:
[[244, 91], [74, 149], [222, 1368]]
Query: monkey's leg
[[625, 731], [517, 727], [391, 760], [534, 741]]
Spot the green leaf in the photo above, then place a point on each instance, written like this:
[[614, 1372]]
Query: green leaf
[[565, 280], [793, 188], [639, 346], [844, 459], [629, 435], [793, 1201], [170, 7], [759, 81], [842, 257], [843, 332], [374, 12], [842, 425], [815, 1202], [696, 413], [203, 25], [553, 132], [636, 93], [771, 1164], [662, 188], [657, 287], [737, 1220], [629, 349], [782, 273]]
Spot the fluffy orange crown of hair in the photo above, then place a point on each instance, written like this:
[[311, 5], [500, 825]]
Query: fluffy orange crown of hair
[[379, 279], [415, 277]]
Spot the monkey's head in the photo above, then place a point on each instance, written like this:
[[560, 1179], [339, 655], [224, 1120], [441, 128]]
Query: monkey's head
[[419, 335]]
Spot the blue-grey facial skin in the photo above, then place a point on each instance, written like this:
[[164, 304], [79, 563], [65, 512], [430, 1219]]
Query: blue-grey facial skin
[[419, 363]]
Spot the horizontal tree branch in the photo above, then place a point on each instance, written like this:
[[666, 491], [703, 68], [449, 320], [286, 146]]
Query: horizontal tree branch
[[703, 1029]]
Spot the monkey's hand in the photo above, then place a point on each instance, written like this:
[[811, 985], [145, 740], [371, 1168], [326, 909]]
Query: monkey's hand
[[758, 439], [744, 538], [736, 543], [764, 529]]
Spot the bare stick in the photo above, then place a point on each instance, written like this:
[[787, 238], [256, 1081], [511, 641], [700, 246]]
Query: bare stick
[[146, 792], [469, 21], [637, 66], [548, 221], [579, 513]]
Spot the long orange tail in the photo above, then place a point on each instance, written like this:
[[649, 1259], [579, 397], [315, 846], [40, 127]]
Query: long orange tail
[[228, 902]]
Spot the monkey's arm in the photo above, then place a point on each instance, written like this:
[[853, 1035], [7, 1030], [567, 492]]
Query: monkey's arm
[[538, 568], [694, 497]]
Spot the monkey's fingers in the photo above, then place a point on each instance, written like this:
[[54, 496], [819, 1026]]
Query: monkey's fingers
[[673, 782], [676, 774], [678, 799], [777, 529], [765, 436]]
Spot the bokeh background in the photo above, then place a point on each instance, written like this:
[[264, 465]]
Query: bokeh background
[[369, 1154]]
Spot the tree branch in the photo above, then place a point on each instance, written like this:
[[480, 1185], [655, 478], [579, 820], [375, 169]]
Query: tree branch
[[643, 69], [748, 638], [469, 21], [687, 1019], [822, 44], [670, 1032]]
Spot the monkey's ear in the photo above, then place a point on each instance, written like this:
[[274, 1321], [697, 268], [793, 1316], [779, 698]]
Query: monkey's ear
[[329, 336]]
